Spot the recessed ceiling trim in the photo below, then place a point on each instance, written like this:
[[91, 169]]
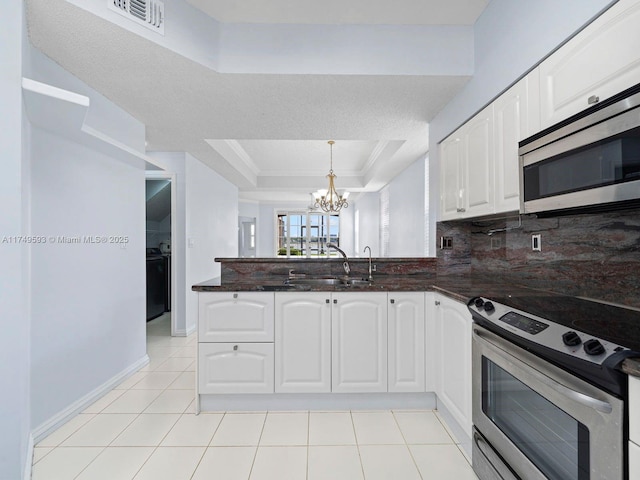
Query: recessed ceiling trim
[[237, 158], [375, 154], [243, 156]]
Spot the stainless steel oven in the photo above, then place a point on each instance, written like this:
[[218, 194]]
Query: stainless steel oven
[[537, 411]]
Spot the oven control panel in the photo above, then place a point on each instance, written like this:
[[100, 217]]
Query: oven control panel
[[542, 331]]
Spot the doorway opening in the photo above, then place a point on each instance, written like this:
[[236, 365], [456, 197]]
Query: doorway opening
[[160, 234]]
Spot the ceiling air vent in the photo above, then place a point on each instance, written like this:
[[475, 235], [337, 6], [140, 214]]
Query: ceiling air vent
[[149, 13]]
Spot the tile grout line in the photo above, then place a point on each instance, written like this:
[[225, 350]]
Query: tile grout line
[[308, 439], [355, 436], [255, 455], [406, 444]]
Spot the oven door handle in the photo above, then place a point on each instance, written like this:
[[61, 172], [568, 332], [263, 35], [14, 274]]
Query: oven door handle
[[498, 342]]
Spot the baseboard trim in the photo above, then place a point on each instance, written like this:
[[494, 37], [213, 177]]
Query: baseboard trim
[[460, 436], [29, 460], [45, 428], [316, 401], [184, 332]]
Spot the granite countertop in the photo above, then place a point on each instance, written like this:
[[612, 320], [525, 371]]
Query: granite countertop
[[610, 322]]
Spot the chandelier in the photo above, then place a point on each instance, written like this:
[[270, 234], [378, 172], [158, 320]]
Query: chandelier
[[330, 200]]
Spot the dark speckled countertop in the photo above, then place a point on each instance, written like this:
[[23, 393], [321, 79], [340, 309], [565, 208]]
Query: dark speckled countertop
[[610, 322]]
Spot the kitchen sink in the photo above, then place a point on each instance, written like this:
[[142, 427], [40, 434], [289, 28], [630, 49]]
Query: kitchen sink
[[328, 281], [359, 282], [321, 281]]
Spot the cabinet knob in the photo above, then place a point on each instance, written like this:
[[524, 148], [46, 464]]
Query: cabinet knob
[[437, 302], [593, 99], [327, 301], [235, 347], [235, 295], [335, 301], [392, 301], [461, 210]]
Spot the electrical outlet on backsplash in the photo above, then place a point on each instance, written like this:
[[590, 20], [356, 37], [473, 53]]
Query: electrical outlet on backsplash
[[592, 255]]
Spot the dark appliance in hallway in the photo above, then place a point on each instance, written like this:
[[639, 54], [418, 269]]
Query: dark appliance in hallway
[[158, 283]]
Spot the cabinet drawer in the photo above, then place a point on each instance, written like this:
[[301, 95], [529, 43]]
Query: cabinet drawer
[[634, 409], [235, 368], [235, 317]]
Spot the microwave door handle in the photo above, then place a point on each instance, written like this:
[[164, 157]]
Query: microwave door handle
[[579, 397]]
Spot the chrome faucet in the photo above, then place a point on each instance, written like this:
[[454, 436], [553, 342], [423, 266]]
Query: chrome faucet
[[370, 277], [345, 264]]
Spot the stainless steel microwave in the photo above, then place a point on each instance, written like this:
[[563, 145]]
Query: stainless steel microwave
[[590, 161]]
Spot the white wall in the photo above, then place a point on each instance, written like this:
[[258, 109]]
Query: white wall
[[510, 39], [347, 231], [88, 300], [406, 212], [14, 341], [346, 49], [211, 228], [367, 223]]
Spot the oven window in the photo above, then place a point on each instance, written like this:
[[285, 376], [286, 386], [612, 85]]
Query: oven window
[[556, 443]]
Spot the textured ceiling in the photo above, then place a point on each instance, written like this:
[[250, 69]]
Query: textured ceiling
[[380, 12], [265, 133]]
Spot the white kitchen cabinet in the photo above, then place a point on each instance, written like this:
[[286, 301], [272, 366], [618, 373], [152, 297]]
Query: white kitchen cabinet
[[479, 164], [451, 159], [634, 409], [406, 341], [466, 162], [453, 340], [235, 368], [634, 427], [235, 316], [634, 461], [359, 342], [599, 62], [303, 342], [516, 115]]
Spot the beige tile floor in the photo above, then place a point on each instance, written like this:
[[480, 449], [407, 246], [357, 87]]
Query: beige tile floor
[[145, 429]]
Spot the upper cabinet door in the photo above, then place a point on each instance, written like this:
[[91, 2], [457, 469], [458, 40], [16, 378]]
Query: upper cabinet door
[[451, 152], [235, 317], [517, 116], [478, 181], [596, 64], [303, 342]]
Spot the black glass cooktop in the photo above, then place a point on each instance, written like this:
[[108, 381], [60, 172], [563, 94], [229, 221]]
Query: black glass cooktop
[[608, 322]]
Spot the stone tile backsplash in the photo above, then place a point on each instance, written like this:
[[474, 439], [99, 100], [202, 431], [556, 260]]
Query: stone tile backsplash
[[590, 255]]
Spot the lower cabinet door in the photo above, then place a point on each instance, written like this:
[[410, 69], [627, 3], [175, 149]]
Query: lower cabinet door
[[406, 349], [303, 342], [235, 368], [359, 342]]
